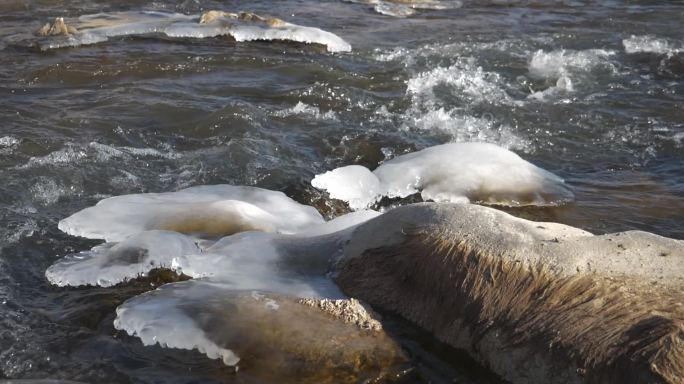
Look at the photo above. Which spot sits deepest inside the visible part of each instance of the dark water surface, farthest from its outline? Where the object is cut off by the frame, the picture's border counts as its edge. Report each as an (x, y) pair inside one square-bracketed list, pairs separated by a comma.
[(551, 80)]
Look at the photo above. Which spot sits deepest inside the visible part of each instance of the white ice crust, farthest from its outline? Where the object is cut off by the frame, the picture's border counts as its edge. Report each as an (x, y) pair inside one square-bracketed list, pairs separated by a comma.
[(456, 172), (102, 26), (294, 264), (112, 263), (158, 317), (216, 210), (246, 260)]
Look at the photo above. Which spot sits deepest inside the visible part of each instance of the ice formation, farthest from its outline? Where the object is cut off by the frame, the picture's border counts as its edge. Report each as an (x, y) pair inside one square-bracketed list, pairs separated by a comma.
[(112, 263), (289, 264), (205, 211), (404, 8), (280, 334), (243, 26), (256, 272), (457, 172)]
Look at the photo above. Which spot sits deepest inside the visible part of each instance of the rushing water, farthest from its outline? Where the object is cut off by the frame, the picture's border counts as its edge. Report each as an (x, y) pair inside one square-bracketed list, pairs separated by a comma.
[(591, 91)]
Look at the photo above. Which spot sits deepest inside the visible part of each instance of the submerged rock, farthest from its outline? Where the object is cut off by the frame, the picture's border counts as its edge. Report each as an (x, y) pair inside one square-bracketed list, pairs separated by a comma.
[(535, 302)]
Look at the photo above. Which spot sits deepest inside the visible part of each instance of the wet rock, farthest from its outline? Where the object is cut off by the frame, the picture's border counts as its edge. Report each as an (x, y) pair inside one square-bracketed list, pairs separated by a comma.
[(534, 302), (274, 337), (350, 311), (57, 28)]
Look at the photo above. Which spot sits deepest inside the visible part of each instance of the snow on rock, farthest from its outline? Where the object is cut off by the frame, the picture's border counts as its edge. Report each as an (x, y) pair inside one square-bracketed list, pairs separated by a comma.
[(212, 210), (456, 172)]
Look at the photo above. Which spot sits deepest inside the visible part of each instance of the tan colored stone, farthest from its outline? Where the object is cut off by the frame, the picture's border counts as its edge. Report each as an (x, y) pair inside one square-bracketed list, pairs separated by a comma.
[(534, 302)]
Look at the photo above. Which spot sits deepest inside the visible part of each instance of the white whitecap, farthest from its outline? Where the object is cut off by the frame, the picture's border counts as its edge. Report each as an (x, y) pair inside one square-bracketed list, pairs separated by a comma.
[(650, 44), (213, 211), (565, 69), (405, 8), (456, 172)]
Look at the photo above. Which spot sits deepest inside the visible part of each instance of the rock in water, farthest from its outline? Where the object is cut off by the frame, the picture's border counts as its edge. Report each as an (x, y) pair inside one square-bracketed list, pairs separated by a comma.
[(209, 210), (241, 26), (456, 172), (535, 302), (287, 340)]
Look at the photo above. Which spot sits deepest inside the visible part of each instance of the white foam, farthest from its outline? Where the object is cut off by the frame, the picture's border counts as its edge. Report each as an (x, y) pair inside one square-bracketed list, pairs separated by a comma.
[(8, 141), (100, 27), (457, 172), (650, 44), (565, 68), (465, 128), (407, 8), (216, 210), (112, 263), (307, 110), (73, 153), (467, 80)]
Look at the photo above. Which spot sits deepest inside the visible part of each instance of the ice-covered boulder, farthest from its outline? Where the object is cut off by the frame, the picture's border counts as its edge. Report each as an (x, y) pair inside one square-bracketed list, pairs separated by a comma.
[(205, 211), (456, 172), (293, 264), (289, 340), (241, 26)]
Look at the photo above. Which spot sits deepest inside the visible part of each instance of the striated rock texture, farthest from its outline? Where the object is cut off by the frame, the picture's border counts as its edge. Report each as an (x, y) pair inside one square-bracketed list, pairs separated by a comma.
[(535, 302)]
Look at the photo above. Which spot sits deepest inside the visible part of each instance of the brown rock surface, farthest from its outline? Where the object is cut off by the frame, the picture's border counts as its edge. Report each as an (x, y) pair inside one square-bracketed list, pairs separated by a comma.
[(535, 302)]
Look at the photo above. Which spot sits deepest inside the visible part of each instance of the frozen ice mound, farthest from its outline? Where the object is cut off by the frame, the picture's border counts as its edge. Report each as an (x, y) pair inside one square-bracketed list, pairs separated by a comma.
[(278, 333), (245, 299), (456, 172), (242, 26), (204, 211), (289, 264)]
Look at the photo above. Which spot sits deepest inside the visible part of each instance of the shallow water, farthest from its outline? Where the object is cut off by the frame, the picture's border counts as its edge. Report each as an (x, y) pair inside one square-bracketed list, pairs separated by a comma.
[(552, 81)]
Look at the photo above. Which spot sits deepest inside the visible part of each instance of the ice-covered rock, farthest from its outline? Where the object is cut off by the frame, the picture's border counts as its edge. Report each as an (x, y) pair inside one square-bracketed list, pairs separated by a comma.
[(289, 264), (112, 263), (285, 338), (456, 172), (213, 211), (241, 26)]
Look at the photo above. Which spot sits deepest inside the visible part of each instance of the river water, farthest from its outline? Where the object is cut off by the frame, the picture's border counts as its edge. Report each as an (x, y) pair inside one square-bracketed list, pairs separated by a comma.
[(592, 91)]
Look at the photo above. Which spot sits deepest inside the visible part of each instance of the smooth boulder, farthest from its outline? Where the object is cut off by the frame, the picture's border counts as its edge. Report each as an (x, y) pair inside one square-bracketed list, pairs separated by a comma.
[(535, 302)]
